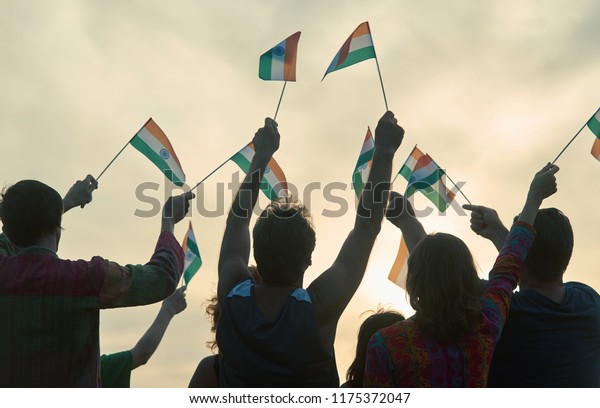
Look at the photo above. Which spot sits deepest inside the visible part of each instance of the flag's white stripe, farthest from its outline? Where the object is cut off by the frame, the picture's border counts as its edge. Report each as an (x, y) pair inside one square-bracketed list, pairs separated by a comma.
[(278, 63), (155, 145), (367, 145), (273, 181), (358, 43), (597, 115), (424, 172)]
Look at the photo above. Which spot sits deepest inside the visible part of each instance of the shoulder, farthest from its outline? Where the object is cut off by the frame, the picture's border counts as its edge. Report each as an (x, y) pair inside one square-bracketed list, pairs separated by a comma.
[(241, 289), (583, 291)]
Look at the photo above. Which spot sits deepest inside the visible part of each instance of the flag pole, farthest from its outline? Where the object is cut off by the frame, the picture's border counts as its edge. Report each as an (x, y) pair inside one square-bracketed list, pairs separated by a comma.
[(211, 173), (381, 81), (114, 158), (395, 177), (571, 141), (457, 187), (279, 103)]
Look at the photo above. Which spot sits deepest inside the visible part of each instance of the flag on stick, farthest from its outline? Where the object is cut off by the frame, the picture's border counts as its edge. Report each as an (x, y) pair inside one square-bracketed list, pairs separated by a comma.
[(427, 177), (594, 125), (358, 47), (279, 63), (273, 184), (193, 261), (400, 268), (152, 142), (409, 165), (363, 166)]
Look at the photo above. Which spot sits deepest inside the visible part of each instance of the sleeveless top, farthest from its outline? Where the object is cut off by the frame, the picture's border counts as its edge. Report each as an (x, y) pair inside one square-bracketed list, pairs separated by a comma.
[(283, 352)]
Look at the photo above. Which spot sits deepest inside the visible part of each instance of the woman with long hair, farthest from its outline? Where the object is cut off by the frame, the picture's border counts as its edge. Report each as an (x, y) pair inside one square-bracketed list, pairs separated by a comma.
[(451, 337)]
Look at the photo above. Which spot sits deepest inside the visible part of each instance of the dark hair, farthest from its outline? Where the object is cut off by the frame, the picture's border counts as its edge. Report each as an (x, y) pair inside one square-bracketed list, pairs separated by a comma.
[(372, 324), (30, 209), (284, 240), (553, 245), (443, 286)]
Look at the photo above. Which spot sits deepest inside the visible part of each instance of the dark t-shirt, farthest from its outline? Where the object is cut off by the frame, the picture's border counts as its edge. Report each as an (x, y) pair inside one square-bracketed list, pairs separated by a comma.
[(548, 344), (283, 352), (115, 369)]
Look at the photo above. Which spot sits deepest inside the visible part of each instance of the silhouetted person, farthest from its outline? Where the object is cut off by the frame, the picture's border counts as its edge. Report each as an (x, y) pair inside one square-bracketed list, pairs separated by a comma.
[(372, 324), (450, 339), (50, 313), (277, 334), (552, 336)]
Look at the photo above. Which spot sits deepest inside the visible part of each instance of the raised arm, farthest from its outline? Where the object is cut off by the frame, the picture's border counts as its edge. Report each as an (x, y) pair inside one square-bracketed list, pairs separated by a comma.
[(334, 288), (235, 249), (147, 345), (400, 213), (133, 285)]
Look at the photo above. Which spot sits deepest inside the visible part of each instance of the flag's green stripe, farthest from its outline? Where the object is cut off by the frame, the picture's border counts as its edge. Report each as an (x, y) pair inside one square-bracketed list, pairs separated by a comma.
[(405, 172), (191, 270), (241, 161), (357, 56), (192, 246), (264, 66), (357, 181), (156, 159), (365, 157), (431, 194), (594, 126)]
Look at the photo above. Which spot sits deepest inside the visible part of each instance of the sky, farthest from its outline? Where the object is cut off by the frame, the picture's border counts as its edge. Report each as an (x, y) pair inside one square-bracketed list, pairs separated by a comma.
[(491, 90)]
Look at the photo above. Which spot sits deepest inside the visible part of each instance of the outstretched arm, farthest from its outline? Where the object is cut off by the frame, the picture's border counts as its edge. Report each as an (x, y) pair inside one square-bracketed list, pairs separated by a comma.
[(235, 249), (400, 213), (486, 223), (147, 345), (334, 288)]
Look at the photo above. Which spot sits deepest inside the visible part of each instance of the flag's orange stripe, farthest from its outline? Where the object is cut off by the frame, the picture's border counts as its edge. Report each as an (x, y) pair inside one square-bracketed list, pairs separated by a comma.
[(361, 30), (157, 132), (291, 48), (399, 262), (596, 149), (278, 173)]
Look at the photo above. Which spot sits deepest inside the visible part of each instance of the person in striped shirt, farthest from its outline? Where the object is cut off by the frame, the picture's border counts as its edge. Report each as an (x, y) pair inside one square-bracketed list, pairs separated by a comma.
[(49, 307)]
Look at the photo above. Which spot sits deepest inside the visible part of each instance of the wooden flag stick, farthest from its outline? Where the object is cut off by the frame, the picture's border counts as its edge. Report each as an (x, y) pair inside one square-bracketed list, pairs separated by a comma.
[(457, 187), (111, 162), (280, 98), (211, 173), (381, 81), (571, 141)]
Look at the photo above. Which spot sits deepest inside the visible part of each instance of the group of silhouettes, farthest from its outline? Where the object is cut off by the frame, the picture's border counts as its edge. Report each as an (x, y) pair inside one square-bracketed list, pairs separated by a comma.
[(272, 332)]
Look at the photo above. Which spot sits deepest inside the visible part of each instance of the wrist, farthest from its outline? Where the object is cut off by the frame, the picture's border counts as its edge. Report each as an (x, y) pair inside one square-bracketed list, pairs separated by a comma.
[(167, 225), (533, 200)]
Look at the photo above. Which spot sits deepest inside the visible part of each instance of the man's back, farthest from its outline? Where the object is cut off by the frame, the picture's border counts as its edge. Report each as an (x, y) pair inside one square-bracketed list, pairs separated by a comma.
[(49, 310), (550, 344), (284, 351)]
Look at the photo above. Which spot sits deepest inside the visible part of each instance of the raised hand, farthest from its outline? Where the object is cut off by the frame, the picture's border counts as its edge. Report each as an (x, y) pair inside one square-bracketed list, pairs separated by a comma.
[(388, 134), (80, 193), (175, 210), (266, 139), (175, 303), (543, 184), (398, 209), (486, 223)]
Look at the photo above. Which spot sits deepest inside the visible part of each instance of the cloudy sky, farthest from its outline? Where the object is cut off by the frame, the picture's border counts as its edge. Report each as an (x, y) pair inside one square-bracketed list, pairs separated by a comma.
[(491, 90)]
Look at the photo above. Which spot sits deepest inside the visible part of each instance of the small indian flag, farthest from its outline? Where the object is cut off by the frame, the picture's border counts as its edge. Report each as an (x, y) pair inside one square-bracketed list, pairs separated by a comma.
[(273, 184), (400, 267), (279, 63), (410, 163), (154, 144), (358, 47), (427, 177), (594, 125), (192, 261), (363, 166)]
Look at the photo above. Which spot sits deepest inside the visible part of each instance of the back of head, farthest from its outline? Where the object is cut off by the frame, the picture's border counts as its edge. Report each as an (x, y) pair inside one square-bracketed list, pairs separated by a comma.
[(368, 328), (29, 210), (552, 248), (284, 240), (443, 286)]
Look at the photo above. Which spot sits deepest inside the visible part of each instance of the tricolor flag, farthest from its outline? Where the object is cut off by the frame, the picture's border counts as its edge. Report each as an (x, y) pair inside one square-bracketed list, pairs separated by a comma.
[(193, 261), (363, 166), (400, 267), (410, 163), (273, 184), (358, 47), (427, 177), (154, 144), (594, 125), (279, 63)]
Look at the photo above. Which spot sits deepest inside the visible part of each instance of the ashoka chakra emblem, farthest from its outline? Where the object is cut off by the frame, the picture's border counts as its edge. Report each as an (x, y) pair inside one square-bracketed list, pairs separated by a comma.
[(164, 154), (279, 50)]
